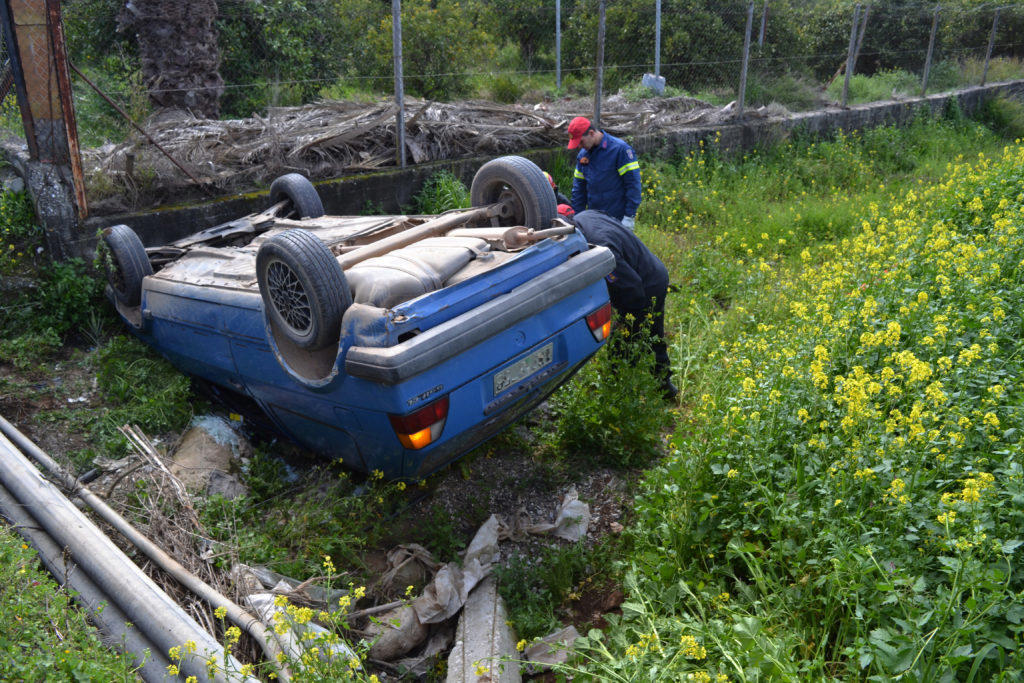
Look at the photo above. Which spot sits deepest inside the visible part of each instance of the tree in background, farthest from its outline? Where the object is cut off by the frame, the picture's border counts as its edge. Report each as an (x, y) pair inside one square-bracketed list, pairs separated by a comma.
[(441, 45), (178, 52)]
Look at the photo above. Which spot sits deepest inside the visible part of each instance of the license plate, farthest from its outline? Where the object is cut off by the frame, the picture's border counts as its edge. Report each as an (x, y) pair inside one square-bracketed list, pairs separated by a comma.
[(522, 369)]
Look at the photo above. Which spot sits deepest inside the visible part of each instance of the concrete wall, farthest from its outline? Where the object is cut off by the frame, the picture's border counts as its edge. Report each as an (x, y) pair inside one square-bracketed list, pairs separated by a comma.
[(388, 191)]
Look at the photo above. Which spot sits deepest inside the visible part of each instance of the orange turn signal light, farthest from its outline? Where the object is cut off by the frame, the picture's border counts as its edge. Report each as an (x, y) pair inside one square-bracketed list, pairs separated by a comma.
[(600, 322), (422, 427)]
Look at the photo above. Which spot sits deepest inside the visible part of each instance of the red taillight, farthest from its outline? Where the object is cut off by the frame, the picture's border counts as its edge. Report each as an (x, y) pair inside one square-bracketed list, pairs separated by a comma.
[(600, 322), (422, 427)]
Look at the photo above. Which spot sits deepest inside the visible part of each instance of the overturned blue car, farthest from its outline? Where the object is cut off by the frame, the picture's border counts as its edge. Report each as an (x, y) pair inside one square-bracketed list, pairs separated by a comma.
[(395, 343)]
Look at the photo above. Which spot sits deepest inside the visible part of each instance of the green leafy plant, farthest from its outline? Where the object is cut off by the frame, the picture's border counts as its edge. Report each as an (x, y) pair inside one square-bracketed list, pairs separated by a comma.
[(43, 635), (612, 410), (442, 192)]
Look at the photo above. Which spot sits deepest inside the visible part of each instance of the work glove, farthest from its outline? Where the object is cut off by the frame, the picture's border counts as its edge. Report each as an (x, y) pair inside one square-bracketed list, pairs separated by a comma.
[(629, 222)]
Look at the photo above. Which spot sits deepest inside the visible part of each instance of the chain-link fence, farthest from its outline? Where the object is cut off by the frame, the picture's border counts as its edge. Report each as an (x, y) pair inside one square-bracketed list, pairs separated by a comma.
[(246, 59)]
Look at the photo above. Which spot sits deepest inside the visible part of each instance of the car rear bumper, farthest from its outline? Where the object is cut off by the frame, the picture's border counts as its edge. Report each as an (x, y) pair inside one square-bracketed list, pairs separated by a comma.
[(393, 365)]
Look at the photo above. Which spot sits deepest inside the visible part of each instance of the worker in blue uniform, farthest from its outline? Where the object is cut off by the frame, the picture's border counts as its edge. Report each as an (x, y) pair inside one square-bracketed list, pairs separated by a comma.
[(607, 175), (637, 288)]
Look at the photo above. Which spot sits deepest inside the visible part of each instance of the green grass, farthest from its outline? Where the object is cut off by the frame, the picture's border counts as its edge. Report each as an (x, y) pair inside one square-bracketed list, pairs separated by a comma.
[(43, 636)]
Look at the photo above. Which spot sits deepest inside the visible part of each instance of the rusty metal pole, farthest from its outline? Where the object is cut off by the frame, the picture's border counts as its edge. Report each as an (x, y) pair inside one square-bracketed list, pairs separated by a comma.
[(396, 40), (60, 67), (742, 95), (850, 52), (991, 44), (599, 85), (931, 49)]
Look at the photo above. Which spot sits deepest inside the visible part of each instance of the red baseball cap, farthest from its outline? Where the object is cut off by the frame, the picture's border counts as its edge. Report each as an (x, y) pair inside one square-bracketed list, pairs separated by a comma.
[(565, 210), (577, 127)]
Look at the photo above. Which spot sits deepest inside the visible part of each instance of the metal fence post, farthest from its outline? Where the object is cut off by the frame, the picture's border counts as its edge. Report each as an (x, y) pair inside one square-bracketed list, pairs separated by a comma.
[(863, 29), (850, 54), (741, 97), (657, 38), (558, 44), (931, 48), (396, 44), (991, 43), (764, 24), (599, 86)]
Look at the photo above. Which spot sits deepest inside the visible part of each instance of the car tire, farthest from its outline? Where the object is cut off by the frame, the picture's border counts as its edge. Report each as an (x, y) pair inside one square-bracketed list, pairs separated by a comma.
[(521, 184), (304, 201), (304, 290), (128, 264)]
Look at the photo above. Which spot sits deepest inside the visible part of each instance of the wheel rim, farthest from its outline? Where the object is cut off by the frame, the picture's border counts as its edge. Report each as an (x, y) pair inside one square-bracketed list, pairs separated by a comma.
[(511, 204), (289, 297)]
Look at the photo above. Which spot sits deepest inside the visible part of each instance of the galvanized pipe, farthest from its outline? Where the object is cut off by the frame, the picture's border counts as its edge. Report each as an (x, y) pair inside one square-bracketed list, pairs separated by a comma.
[(103, 611), (742, 95), (147, 606), (86, 555), (849, 54)]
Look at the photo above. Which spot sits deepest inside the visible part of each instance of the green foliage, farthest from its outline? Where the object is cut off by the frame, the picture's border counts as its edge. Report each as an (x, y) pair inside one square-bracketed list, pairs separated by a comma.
[(289, 525), (1005, 116), (540, 588), (43, 636), (799, 529), (612, 410), (28, 350), (20, 234), (793, 91), (142, 389), (442, 191), (435, 64)]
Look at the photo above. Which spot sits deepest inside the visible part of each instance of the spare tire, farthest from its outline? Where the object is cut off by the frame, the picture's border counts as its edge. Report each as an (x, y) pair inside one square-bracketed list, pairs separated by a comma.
[(521, 186), (304, 290), (128, 264), (303, 199)]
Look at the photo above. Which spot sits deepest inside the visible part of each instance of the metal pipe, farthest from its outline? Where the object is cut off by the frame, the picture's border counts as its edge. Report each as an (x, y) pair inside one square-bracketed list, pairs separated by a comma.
[(103, 611), (396, 48), (147, 606), (931, 48), (236, 614), (764, 25), (860, 35), (432, 228), (657, 38), (991, 43), (558, 44), (742, 95), (59, 53), (849, 54)]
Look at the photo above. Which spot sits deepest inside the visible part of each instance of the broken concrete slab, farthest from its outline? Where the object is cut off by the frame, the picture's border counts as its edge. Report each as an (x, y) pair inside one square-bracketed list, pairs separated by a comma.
[(554, 648), (484, 649), (395, 633)]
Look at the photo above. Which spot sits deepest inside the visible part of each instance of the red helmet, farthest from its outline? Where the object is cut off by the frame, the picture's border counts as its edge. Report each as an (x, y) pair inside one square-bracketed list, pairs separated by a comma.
[(551, 181)]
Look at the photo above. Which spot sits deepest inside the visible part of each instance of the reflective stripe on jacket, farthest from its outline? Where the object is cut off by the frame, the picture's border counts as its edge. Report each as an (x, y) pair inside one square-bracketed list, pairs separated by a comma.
[(609, 179)]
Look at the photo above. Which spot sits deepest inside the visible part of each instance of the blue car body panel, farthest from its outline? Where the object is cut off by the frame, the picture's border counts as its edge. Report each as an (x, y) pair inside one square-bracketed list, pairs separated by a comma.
[(448, 342)]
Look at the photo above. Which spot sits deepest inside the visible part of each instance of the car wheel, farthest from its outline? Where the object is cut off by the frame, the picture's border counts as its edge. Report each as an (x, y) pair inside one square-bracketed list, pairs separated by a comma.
[(520, 186), (304, 290), (304, 202), (128, 264)]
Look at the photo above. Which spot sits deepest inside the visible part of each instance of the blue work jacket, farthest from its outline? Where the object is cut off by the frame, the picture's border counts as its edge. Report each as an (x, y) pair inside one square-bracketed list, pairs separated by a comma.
[(607, 178)]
